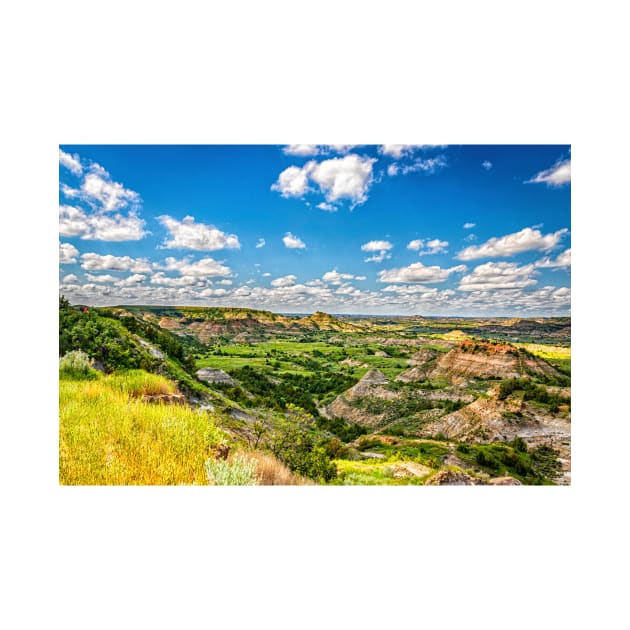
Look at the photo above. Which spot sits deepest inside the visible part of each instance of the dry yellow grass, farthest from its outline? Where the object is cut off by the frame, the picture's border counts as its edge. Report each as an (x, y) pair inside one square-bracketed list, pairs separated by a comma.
[(271, 472), (108, 436)]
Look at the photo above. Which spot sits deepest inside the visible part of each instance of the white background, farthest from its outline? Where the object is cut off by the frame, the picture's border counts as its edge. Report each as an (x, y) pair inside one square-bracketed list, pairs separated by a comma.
[(320, 72)]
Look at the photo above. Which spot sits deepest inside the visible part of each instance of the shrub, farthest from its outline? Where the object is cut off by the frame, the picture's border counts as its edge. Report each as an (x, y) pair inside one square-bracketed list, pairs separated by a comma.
[(76, 364), (240, 471)]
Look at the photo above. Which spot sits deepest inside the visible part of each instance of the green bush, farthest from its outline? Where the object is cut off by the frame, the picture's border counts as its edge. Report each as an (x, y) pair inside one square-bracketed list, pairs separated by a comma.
[(238, 472), (76, 364)]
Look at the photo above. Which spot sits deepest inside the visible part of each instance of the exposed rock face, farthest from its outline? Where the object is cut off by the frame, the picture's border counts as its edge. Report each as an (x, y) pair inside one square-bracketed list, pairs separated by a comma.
[(367, 384), (421, 357), (486, 360), (504, 481), (372, 386), (452, 478), (153, 351), (412, 375), (211, 375)]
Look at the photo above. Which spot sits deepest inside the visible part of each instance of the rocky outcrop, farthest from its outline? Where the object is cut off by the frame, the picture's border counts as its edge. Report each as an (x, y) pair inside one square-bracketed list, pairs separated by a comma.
[(422, 357), (488, 419), (504, 481), (487, 360), (370, 386), (452, 478), (412, 375), (211, 375)]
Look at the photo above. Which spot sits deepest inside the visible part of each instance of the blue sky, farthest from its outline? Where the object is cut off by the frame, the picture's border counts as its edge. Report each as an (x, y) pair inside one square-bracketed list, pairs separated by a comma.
[(390, 229)]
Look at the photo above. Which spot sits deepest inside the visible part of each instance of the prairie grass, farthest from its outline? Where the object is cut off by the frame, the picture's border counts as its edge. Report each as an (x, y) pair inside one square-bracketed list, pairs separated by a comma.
[(271, 472), (108, 436)]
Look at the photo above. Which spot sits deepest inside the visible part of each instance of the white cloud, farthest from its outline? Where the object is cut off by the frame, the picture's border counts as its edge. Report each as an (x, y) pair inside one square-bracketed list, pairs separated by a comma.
[(74, 221), (336, 278), (293, 242), (293, 181), (67, 253), (525, 240), (469, 226), (498, 275), (434, 246), (397, 150), (380, 257), (487, 164), (327, 207), (392, 170), (97, 262), (471, 238), (376, 246), (108, 194), (382, 247), (301, 149), (204, 268), (558, 175), (161, 279), (198, 236), (266, 275), (562, 260), (409, 289), (261, 243), (417, 272), (101, 278), (71, 162), (131, 281), (225, 282), (349, 177), (284, 281), (70, 279)]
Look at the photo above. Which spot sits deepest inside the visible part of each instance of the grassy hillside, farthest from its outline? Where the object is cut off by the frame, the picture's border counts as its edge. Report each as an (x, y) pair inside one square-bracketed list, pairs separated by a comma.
[(109, 435)]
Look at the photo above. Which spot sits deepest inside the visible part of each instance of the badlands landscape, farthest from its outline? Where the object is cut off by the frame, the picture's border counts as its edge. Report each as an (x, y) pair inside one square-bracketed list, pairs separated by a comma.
[(236, 395)]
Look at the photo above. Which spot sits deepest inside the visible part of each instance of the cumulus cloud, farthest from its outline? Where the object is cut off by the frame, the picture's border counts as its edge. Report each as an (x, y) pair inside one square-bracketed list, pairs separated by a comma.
[(131, 281), (67, 253), (106, 199), (563, 260), (101, 277), (97, 262), (433, 246), (526, 240), (382, 247), (348, 177), (498, 275), (187, 234), (204, 268), (293, 181), (261, 243), (336, 278), (293, 242), (74, 221), (301, 149), (487, 164), (71, 162), (70, 279), (558, 175), (160, 278), (284, 281), (397, 150), (99, 189), (417, 272), (469, 226)]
